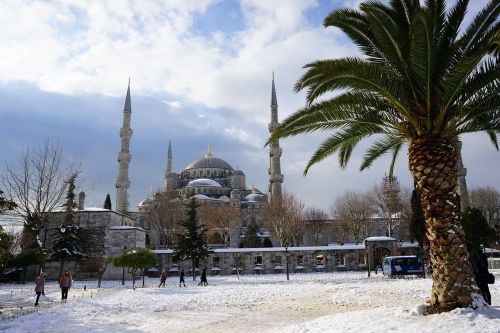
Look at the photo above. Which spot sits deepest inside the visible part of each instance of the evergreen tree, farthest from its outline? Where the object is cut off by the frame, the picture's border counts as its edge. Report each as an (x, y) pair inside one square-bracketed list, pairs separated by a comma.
[(5, 204), (28, 256), (5, 249), (107, 202), (70, 203), (5, 239), (252, 238), (417, 220), (191, 243), (476, 228), (67, 242)]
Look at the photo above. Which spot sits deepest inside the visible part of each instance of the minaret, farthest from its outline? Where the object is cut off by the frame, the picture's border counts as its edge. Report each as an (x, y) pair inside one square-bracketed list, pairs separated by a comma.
[(124, 157), (275, 176), (169, 156), (462, 184), (169, 176)]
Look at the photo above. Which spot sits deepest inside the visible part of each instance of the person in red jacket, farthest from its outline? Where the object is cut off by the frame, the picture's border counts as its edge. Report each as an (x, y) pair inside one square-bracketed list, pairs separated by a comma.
[(65, 283)]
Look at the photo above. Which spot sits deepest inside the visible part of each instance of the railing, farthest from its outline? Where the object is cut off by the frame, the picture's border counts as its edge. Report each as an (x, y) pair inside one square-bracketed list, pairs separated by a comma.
[(18, 300), (493, 263)]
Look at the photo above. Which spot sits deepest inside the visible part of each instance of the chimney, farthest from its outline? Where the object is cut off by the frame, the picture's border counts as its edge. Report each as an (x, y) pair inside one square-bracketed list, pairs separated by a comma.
[(81, 200)]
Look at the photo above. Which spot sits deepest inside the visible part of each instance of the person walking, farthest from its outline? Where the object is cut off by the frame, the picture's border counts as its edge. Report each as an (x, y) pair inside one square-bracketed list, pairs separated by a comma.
[(65, 283), (39, 286), (181, 278), (203, 278), (163, 278)]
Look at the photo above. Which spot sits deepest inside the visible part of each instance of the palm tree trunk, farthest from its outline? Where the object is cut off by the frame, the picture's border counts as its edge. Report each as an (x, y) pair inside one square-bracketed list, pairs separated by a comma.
[(433, 164)]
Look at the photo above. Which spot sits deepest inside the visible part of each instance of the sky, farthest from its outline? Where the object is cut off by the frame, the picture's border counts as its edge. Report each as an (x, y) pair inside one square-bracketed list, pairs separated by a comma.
[(200, 74)]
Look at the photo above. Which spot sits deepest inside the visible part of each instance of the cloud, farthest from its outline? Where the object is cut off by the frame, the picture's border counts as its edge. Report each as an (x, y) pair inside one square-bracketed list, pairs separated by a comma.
[(193, 84)]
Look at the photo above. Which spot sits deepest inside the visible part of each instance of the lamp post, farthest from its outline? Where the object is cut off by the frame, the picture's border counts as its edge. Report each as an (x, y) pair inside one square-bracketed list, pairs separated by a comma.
[(286, 254), (368, 256), (124, 249)]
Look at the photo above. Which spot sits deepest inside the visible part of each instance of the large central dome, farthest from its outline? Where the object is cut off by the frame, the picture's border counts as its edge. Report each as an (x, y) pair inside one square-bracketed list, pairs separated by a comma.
[(209, 162)]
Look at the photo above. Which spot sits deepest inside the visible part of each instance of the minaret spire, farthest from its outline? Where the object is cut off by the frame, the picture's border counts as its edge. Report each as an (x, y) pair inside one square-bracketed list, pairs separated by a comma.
[(170, 178), (124, 157), (169, 156), (209, 152), (275, 176)]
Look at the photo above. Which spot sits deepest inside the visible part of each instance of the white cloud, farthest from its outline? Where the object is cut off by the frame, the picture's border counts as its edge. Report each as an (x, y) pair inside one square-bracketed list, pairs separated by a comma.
[(75, 47)]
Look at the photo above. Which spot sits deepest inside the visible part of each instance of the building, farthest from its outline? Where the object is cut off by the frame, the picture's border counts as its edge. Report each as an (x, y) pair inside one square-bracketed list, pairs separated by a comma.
[(228, 206)]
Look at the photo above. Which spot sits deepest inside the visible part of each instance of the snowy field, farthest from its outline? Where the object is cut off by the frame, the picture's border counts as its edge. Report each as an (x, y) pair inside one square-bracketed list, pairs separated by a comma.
[(322, 302)]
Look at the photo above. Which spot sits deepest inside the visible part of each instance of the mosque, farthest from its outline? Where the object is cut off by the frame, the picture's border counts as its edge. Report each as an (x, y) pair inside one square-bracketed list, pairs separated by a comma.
[(217, 187)]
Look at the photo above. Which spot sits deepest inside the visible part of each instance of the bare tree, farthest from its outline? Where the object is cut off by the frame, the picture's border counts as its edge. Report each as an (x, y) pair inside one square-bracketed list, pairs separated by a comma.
[(164, 215), (218, 220), (315, 220), (36, 181), (487, 200), (285, 218), (387, 203), (353, 210)]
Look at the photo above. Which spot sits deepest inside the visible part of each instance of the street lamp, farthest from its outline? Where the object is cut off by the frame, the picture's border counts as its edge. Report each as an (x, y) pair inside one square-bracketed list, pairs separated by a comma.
[(367, 245), (286, 253), (124, 249)]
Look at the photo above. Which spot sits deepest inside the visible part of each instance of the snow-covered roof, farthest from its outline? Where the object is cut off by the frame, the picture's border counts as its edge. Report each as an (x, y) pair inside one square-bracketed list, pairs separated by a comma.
[(201, 197), (11, 219), (96, 209), (488, 250), (203, 182), (380, 239), (408, 244), (126, 227)]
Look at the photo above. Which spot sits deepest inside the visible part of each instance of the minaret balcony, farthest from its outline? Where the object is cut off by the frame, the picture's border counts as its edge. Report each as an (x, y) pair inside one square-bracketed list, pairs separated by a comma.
[(276, 179), (124, 156), (126, 132), (272, 126), (123, 183)]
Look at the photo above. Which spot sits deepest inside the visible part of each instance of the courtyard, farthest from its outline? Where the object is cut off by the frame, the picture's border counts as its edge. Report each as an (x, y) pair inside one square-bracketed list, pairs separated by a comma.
[(319, 302)]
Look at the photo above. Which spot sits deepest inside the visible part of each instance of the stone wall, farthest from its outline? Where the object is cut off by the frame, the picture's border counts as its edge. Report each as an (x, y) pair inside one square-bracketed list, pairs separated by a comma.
[(273, 260)]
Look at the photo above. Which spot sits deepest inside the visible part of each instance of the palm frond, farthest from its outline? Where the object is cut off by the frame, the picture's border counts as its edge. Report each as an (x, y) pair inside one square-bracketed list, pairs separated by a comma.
[(481, 23), (343, 142), (380, 148)]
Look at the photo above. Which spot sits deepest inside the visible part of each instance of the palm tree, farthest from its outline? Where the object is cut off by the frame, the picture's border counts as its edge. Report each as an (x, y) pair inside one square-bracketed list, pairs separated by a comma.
[(420, 83)]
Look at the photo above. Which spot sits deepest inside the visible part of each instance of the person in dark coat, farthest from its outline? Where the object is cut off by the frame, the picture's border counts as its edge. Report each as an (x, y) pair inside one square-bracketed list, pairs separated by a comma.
[(181, 278), (39, 286), (65, 283), (203, 279), (479, 264), (163, 278)]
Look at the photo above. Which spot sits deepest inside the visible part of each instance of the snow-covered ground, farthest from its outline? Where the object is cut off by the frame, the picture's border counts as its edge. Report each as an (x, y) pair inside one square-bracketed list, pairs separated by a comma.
[(323, 302)]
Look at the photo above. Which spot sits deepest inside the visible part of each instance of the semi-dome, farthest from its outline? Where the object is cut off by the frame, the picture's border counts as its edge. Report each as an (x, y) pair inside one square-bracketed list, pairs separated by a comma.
[(200, 197), (238, 173), (255, 197), (203, 182)]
